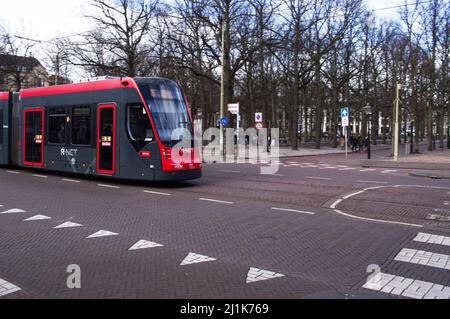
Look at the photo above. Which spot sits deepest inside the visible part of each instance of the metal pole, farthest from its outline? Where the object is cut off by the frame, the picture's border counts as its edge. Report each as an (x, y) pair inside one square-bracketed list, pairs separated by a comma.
[(412, 138), (346, 142), (369, 155), (396, 132), (222, 89)]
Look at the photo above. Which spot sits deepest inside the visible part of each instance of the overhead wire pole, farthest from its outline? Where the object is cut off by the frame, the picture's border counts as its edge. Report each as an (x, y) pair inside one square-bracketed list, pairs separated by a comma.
[(396, 125), (222, 90)]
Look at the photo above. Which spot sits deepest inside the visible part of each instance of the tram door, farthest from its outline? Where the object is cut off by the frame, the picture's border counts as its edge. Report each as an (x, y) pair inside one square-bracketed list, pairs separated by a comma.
[(33, 137), (106, 138)]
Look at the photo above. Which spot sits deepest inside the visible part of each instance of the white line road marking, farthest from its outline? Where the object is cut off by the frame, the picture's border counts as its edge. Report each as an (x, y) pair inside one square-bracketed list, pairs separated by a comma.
[(407, 287), (102, 233), (193, 258), (348, 169), (310, 166), (231, 172), (256, 274), (68, 225), (157, 193), (372, 182), (353, 194), (145, 244), (108, 186), (432, 239), (13, 172), (70, 180), (7, 288), (13, 211), (215, 201), (425, 258), (40, 176), (37, 217), (371, 219), (389, 171), (292, 210), (368, 170), (336, 203), (319, 178)]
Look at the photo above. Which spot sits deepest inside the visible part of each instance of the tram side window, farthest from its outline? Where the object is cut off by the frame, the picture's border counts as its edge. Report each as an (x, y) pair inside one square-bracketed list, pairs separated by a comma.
[(139, 127), (81, 125), (1, 127), (57, 126)]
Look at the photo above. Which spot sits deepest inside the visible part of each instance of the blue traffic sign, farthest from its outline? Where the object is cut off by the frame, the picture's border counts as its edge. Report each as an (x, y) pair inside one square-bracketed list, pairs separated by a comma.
[(344, 112), (224, 121)]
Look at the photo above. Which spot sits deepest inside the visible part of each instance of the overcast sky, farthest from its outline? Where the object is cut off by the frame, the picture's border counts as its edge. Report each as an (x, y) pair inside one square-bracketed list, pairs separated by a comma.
[(47, 19)]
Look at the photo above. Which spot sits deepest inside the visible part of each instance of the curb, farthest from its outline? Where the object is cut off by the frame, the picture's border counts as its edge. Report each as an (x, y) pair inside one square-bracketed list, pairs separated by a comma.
[(429, 176)]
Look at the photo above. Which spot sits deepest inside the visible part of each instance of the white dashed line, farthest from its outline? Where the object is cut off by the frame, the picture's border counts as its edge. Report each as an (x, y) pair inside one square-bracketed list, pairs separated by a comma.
[(157, 193), (368, 170), (215, 201), (108, 186), (372, 182), (40, 176), (319, 178), (371, 219), (389, 171), (407, 287), (293, 211), (13, 172), (231, 172), (70, 180), (347, 169)]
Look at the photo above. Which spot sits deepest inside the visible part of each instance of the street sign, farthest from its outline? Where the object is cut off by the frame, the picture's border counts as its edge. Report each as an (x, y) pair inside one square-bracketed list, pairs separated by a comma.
[(233, 108), (224, 121), (258, 117), (259, 126), (345, 113)]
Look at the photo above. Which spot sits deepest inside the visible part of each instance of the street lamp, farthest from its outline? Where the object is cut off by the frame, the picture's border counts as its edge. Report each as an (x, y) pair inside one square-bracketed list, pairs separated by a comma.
[(368, 111)]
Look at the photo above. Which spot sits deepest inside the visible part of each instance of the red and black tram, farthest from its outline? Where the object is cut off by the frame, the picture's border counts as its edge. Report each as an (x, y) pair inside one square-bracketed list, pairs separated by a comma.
[(116, 127)]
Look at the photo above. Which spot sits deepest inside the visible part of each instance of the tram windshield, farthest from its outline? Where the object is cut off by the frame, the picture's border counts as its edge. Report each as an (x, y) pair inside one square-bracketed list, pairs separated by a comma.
[(168, 108)]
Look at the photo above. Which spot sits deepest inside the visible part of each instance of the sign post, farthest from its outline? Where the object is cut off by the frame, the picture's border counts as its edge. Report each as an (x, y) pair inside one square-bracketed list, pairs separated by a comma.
[(345, 112)]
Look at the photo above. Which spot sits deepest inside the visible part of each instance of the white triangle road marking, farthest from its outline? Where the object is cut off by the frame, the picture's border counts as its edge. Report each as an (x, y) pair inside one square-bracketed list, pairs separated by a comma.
[(256, 274), (144, 244), (68, 225), (102, 233), (37, 217), (13, 211), (193, 258)]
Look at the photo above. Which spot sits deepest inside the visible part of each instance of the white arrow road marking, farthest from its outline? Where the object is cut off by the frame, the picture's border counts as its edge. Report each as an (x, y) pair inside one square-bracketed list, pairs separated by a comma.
[(144, 244), (7, 288), (193, 258), (68, 225), (256, 274), (37, 217), (13, 211), (102, 233)]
